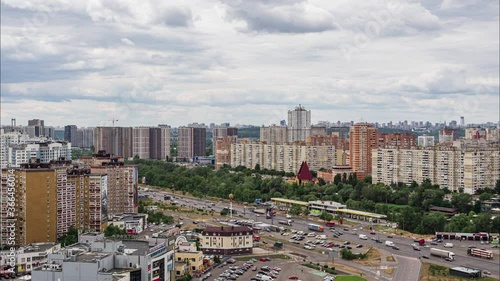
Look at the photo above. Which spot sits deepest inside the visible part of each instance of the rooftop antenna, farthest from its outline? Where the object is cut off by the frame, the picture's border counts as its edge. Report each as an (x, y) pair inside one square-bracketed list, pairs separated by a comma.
[(113, 121)]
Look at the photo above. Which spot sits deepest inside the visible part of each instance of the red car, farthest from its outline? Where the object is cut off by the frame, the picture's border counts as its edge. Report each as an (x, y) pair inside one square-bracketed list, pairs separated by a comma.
[(372, 233), (293, 277), (263, 259)]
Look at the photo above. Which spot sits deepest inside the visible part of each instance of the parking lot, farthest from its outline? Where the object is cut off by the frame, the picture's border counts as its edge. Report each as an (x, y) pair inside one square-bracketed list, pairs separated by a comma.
[(288, 268)]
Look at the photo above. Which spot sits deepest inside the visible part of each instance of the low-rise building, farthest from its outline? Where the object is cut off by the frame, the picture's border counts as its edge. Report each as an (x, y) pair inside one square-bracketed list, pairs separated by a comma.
[(326, 206), (133, 223), (188, 255), (227, 240), (103, 259), (29, 257)]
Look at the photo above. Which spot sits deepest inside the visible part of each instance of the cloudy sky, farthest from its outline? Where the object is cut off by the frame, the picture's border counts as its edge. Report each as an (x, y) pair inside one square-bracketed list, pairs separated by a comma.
[(146, 62)]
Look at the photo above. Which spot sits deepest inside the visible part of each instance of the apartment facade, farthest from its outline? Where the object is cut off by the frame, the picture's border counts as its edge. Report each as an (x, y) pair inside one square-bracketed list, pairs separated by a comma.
[(44, 151), (362, 139), (274, 134), (299, 124), (282, 157), (191, 142), (223, 151), (114, 140), (404, 140), (227, 240), (449, 167), (425, 141)]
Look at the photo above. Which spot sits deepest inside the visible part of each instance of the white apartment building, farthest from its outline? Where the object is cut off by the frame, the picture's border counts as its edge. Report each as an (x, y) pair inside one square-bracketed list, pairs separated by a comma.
[(227, 240), (425, 141), (299, 124), (45, 151), (467, 168)]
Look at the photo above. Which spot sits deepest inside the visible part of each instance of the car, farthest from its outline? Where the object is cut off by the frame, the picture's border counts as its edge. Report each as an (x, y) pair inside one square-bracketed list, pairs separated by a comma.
[(346, 229), (372, 232), (395, 247), (231, 261), (434, 243), (378, 241), (278, 269), (390, 236), (293, 277), (359, 246), (448, 259), (255, 279), (347, 243), (486, 272), (471, 246), (349, 247), (254, 268), (263, 259), (425, 257)]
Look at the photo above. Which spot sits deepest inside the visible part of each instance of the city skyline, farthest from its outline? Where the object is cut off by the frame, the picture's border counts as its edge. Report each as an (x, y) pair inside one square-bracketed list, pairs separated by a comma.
[(248, 61)]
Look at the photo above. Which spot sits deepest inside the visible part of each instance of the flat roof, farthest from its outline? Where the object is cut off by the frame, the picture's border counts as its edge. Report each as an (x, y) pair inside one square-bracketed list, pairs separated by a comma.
[(466, 269), (289, 201), (362, 213)]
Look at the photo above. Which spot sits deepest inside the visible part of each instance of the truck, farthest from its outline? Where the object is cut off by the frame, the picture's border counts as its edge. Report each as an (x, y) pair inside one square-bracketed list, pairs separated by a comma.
[(276, 228), (330, 223), (480, 253), (442, 253), (315, 227), (389, 243), (363, 237), (287, 222)]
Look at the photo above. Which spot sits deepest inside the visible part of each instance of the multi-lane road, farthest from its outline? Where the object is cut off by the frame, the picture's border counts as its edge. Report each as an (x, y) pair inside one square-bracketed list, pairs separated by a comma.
[(409, 258)]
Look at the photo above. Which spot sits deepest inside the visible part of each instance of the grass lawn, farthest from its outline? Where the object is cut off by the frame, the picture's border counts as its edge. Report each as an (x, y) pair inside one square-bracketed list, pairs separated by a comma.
[(349, 278)]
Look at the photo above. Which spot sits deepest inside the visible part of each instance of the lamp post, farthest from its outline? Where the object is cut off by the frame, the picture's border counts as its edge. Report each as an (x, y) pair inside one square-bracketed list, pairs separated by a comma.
[(231, 196)]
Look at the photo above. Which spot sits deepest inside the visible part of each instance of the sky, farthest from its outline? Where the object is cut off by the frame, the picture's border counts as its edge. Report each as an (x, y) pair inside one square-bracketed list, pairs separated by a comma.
[(149, 62)]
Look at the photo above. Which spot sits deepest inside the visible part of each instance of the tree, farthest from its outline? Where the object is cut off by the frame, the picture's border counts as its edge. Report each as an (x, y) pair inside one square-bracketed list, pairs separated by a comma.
[(306, 212), (337, 179), (326, 216), (295, 210), (495, 225), (432, 223), (460, 223), (461, 201), (113, 230), (483, 222), (70, 237)]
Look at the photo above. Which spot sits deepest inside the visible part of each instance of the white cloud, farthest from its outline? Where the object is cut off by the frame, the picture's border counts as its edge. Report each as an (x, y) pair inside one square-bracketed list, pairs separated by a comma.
[(175, 62)]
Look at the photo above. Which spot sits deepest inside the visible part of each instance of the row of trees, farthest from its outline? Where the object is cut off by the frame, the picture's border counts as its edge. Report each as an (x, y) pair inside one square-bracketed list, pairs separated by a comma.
[(406, 204)]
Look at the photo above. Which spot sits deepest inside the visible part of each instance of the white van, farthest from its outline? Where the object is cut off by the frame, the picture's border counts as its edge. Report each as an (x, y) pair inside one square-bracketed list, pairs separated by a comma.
[(363, 237), (448, 245), (389, 243)]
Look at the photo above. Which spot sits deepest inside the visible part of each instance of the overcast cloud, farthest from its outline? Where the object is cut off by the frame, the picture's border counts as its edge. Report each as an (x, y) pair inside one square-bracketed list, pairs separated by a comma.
[(175, 62)]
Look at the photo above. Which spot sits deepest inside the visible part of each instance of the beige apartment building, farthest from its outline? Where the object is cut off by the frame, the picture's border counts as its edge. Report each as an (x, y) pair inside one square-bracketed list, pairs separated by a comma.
[(467, 168), (282, 157), (274, 134), (362, 139)]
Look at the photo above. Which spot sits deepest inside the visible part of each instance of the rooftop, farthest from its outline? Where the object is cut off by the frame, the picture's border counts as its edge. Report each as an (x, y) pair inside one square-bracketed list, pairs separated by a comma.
[(227, 229), (38, 247), (466, 269)]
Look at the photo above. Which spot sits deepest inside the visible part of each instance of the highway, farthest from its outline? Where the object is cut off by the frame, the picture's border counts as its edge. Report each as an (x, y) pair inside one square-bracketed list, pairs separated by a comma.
[(409, 261)]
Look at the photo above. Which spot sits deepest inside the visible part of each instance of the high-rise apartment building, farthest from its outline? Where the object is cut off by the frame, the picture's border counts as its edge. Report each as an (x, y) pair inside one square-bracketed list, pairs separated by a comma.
[(122, 181), (299, 124), (448, 135), (36, 128), (191, 142), (425, 141), (274, 134), (468, 168), (404, 140), (50, 198), (84, 138), (70, 134), (223, 151), (43, 151), (282, 157), (219, 132), (114, 140), (362, 139)]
